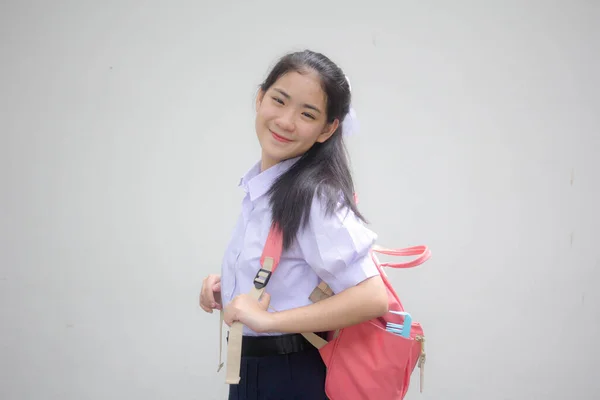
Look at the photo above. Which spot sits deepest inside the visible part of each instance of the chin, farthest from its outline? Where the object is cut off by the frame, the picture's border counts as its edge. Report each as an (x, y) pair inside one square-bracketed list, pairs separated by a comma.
[(273, 151)]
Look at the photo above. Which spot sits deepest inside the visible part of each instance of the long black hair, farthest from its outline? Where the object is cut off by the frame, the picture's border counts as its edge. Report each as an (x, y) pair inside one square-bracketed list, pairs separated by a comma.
[(323, 170)]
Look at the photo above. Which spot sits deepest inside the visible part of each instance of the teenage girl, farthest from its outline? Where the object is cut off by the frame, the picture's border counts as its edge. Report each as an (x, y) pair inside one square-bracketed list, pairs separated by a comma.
[(303, 185)]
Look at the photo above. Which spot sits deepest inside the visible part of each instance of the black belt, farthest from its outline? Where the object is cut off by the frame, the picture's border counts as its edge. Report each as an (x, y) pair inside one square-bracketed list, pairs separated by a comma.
[(262, 346)]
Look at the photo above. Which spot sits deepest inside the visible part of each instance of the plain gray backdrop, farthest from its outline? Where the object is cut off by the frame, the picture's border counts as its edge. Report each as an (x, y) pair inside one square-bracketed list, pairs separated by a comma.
[(125, 127)]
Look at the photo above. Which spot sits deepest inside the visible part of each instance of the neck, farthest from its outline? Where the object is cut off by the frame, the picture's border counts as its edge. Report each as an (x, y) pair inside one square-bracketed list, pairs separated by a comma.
[(266, 162)]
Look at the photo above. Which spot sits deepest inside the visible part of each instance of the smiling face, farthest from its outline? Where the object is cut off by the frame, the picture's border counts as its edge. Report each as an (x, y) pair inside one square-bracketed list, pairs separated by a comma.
[(291, 116)]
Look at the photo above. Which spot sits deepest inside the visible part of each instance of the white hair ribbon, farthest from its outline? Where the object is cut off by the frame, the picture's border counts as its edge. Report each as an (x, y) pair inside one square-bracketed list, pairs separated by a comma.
[(350, 122)]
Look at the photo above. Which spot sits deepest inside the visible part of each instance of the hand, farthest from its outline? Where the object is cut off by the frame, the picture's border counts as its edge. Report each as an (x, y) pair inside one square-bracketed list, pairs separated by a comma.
[(210, 295), (250, 312)]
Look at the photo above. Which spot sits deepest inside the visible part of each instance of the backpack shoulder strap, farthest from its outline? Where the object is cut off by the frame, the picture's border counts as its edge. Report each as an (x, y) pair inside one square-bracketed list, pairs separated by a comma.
[(269, 262)]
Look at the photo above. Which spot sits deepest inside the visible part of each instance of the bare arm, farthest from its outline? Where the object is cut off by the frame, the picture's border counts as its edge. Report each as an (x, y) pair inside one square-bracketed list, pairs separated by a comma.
[(359, 303)]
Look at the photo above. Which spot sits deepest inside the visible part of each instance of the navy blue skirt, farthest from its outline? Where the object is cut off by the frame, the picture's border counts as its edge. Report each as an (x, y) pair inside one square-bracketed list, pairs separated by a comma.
[(295, 376)]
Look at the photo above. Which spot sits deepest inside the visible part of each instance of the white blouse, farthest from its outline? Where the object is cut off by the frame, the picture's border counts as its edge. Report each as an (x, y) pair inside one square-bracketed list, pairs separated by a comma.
[(334, 249)]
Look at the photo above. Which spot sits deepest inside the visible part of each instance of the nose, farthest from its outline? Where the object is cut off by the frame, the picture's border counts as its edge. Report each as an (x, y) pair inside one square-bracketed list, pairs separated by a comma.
[(286, 121)]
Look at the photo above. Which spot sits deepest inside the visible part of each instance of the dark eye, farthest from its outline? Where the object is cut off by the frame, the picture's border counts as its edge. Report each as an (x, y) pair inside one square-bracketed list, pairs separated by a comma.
[(309, 115), (278, 100)]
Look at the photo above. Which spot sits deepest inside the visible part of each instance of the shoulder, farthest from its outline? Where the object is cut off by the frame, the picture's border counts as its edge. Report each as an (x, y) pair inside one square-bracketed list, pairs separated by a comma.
[(332, 222), (330, 206), (336, 243)]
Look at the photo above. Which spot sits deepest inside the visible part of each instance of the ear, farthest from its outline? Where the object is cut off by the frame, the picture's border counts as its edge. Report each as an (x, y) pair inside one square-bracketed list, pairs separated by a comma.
[(259, 98), (328, 131)]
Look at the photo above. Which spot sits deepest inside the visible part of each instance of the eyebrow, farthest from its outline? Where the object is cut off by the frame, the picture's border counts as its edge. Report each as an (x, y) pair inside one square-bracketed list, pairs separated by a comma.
[(287, 96)]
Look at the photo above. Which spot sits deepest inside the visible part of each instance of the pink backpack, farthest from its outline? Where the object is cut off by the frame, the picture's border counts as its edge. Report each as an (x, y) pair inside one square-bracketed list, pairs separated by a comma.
[(364, 361)]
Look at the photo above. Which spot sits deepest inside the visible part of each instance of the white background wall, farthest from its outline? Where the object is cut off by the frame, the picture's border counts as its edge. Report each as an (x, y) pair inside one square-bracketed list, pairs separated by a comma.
[(125, 127)]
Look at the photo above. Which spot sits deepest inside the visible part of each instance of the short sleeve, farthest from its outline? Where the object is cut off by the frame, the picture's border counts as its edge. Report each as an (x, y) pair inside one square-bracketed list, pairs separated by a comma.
[(337, 246)]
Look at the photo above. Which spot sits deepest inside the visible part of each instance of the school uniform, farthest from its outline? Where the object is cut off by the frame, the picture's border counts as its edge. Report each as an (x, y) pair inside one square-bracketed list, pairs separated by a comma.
[(333, 248)]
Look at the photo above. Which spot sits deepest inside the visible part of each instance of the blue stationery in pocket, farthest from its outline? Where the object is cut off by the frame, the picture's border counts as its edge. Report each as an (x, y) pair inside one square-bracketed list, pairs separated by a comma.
[(400, 329)]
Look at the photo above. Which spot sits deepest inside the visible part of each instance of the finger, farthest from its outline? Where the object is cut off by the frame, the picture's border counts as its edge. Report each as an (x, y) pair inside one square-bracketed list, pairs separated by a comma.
[(205, 308), (204, 304), (208, 297), (200, 301), (265, 300), (228, 316), (218, 298), (207, 293), (217, 287)]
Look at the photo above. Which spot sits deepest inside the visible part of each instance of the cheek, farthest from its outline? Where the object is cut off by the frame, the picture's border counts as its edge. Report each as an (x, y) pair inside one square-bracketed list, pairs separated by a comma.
[(262, 117), (308, 132), (267, 109)]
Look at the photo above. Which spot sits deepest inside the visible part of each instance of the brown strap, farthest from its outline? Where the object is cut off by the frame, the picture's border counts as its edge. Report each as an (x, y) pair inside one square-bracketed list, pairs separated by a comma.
[(220, 341), (315, 339), (234, 345), (312, 338), (236, 331), (321, 292)]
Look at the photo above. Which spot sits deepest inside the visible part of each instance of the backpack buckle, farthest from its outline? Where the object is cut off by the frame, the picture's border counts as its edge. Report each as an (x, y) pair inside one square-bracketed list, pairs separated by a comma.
[(262, 278)]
